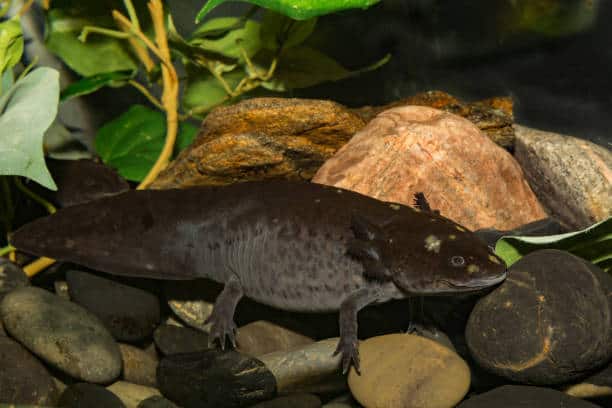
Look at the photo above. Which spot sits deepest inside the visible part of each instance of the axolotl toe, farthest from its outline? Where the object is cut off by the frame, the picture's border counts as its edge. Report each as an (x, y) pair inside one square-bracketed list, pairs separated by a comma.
[(291, 245)]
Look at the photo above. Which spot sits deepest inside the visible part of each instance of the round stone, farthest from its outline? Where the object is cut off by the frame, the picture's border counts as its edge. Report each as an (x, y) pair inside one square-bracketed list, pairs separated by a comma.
[(402, 370), (172, 339), (186, 299), (11, 277), (157, 401), (214, 378), (139, 367), (131, 314), (132, 394), (262, 337), (293, 400), (89, 395), (513, 396), (23, 379), (548, 323), (61, 333)]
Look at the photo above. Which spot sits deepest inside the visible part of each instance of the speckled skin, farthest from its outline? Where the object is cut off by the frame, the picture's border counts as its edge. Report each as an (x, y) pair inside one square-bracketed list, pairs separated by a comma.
[(294, 246)]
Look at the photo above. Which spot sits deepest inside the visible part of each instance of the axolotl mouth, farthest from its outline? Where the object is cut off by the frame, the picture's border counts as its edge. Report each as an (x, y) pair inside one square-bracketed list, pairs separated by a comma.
[(474, 285)]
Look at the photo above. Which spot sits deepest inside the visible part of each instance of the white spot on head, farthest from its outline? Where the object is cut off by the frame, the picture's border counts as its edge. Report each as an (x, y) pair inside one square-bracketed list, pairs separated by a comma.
[(433, 243), (317, 200), (459, 228), (149, 266), (472, 268), (452, 237), (339, 191), (395, 206)]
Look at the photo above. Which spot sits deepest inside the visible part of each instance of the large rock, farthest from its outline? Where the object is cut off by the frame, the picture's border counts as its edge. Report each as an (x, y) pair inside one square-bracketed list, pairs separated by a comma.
[(572, 177), (413, 149), (262, 337), (23, 379), (130, 314), (62, 333), (548, 323), (262, 138), (401, 370), (89, 395), (214, 378), (493, 116), (515, 396), (11, 277)]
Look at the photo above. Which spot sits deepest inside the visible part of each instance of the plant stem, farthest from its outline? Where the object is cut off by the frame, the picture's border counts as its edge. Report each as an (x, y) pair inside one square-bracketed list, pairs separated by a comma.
[(24, 9), (170, 92), (47, 205), (102, 31), (38, 265), (140, 51), (146, 94), (6, 250)]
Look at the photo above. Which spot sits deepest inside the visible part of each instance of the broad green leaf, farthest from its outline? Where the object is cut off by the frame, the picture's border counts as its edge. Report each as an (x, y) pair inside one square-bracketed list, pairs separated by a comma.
[(301, 67), (8, 79), (296, 9), (132, 142), (11, 43), (28, 109), (280, 31), (204, 92), (100, 54), (593, 244), (91, 84), (231, 44)]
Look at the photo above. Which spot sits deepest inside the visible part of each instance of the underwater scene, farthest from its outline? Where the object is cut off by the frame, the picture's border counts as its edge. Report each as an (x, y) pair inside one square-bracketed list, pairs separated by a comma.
[(305, 203)]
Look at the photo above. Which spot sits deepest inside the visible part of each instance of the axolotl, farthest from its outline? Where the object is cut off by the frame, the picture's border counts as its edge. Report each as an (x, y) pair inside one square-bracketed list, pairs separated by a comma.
[(291, 245)]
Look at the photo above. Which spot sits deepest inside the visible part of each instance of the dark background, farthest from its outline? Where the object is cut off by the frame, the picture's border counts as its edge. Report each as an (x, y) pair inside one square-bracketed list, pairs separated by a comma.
[(469, 49)]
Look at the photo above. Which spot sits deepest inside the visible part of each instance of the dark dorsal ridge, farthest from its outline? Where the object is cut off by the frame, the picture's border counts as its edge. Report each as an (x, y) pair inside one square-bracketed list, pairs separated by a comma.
[(421, 203)]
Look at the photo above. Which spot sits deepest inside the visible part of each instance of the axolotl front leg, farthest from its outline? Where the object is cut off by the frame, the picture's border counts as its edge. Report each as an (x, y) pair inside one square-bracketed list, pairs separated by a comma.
[(223, 326)]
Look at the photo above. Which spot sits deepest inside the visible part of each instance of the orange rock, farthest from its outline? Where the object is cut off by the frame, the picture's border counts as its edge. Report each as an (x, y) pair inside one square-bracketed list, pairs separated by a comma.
[(462, 172)]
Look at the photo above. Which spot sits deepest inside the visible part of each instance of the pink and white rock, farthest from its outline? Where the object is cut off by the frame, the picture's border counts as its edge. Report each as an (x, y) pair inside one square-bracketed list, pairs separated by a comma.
[(462, 173)]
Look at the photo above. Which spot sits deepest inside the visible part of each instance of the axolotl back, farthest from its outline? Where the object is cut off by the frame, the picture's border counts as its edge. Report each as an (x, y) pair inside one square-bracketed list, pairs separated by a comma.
[(292, 245)]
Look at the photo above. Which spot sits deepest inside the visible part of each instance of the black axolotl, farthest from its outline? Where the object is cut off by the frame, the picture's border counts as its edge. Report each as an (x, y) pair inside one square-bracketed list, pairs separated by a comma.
[(291, 245)]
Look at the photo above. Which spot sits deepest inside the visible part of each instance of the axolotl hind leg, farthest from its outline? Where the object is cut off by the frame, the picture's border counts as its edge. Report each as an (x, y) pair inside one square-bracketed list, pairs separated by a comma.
[(348, 344), (222, 316)]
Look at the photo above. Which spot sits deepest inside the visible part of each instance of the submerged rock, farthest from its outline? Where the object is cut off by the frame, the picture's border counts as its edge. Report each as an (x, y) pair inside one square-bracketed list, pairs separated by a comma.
[(132, 394), (402, 370), (548, 323), (62, 333), (262, 337), (262, 138), (89, 395), (462, 173), (572, 177), (139, 367), (214, 378), (11, 277), (513, 396), (23, 379), (596, 387), (171, 339), (131, 314), (293, 401)]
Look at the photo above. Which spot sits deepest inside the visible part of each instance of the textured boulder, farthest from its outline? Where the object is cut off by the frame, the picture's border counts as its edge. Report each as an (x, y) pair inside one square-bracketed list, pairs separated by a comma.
[(262, 138), (571, 177), (463, 174), (548, 323)]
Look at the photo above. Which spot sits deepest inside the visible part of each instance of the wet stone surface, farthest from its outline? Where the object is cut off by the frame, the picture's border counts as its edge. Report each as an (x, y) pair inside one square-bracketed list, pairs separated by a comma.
[(11, 277), (89, 395), (548, 323), (131, 314), (139, 367), (171, 339), (512, 396), (61, 333), (214, 378), (23, 379)]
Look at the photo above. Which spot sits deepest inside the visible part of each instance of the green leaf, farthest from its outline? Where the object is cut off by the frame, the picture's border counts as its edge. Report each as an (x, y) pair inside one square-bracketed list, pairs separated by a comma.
[(279, 31), (204, 91), (593, 244), (11, 43), (132, 142), (100, 54), (296, 9), (301, 67), (91, 84), (28, 109), (230, 45)]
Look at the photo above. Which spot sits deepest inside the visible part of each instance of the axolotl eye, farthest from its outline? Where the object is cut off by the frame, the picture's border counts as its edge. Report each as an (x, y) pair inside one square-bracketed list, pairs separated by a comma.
[(457, 261)]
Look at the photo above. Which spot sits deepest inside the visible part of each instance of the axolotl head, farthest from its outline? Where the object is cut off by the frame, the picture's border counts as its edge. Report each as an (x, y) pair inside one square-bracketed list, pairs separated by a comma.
[(426, 255)]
